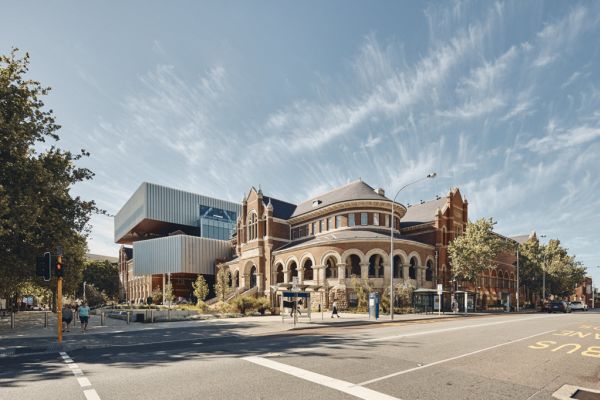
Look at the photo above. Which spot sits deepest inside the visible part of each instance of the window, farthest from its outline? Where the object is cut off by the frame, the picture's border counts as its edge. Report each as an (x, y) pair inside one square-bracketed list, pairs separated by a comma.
[(376, 219), (387, 220), (330, 224), (322, 223), (338, 221), (351, 221), (314, 228), (364, 219)]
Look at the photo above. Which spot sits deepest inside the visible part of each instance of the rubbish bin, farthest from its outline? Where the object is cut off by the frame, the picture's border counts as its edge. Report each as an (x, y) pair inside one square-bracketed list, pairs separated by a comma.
[(139, 317)]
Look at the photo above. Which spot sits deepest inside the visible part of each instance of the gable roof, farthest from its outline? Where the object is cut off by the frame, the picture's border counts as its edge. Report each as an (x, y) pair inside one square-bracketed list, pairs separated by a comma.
[(281, 209), (422, 213), (357, 190)]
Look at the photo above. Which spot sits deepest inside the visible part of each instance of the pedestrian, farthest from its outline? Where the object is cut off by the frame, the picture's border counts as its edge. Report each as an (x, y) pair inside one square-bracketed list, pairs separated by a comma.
[(454, 306), (67, 317), (334, 310), (84, 316)]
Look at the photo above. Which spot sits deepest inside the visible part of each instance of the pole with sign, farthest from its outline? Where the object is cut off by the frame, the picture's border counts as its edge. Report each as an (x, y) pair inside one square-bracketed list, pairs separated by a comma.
[(439, 292)]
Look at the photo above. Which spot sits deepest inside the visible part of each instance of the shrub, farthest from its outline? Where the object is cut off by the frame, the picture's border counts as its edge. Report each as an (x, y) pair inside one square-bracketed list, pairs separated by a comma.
[(244, 304), (262, 304)]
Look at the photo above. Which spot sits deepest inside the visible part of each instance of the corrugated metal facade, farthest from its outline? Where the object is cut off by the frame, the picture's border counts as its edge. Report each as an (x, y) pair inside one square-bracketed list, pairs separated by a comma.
[(161, 203), (180, 253)]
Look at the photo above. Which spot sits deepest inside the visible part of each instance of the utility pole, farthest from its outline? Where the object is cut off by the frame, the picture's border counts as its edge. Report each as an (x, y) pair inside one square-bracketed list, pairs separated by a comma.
[(59, 279), (517, 295)]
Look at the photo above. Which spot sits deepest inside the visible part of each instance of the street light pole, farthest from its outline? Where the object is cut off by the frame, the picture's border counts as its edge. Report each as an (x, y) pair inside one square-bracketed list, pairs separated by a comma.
[(517, 295), (544, 275), (429, 176)]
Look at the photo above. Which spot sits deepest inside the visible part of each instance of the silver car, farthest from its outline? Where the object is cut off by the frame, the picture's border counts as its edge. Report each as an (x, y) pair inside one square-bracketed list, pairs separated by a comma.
[(578, 306)]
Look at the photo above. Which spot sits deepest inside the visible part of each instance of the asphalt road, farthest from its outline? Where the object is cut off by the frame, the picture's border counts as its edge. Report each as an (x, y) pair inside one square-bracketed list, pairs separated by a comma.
[(495, 357)]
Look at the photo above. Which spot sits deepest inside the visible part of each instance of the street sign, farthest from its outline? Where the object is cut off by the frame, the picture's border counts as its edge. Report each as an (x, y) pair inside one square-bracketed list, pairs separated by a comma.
[(295, 287), (440, 289)]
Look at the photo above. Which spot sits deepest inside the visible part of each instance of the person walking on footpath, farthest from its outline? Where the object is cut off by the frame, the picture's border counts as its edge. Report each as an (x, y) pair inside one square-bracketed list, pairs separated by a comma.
[(84, 316), (334, 310), (67, 317)]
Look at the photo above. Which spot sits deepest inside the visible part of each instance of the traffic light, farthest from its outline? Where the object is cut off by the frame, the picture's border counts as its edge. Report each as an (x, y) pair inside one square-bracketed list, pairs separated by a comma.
[(58, 267), (43, 266)]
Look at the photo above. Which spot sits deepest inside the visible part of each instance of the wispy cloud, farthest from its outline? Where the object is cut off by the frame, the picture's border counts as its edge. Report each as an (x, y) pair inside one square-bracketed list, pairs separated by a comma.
[(573, 137), (372, 141)]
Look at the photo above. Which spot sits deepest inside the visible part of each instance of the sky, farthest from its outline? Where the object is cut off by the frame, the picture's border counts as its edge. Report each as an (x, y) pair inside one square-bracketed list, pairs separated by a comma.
[(501, 99)]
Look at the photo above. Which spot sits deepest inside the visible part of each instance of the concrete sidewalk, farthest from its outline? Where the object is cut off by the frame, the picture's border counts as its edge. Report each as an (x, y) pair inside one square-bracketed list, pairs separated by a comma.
[(30, 335)]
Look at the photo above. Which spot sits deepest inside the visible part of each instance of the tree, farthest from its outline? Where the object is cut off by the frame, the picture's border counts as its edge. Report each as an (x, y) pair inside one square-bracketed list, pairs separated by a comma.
[(530, 266), (37, 211), (104, 275), (476, 250), (169, 296), (222, 282), (200, 289), (563, 272), (156, 295)]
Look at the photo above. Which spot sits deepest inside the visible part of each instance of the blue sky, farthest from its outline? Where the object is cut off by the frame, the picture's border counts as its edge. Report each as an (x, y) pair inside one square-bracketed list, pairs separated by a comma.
[(500, 99)]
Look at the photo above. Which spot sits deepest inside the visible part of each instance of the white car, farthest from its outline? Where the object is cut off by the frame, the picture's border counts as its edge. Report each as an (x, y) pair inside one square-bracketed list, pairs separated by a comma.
[(578, 306)]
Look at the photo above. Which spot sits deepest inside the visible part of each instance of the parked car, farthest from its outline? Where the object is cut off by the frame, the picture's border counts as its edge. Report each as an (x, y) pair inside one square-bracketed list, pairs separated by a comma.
[(559, 306), (578, 306)]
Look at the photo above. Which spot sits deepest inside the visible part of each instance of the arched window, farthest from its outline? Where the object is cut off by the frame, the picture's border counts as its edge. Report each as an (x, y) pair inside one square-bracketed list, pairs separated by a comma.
[(293, 270), (376, 266), (308, 270), (252, 227), (429, 271), (279, 274), (236, 279), (353, 266), (412, 269), (253, 276), (398, 269), (331, 268)]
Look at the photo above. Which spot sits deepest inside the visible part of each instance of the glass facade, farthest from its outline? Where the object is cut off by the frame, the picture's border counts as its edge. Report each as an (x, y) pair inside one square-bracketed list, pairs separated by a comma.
[(216, 223)]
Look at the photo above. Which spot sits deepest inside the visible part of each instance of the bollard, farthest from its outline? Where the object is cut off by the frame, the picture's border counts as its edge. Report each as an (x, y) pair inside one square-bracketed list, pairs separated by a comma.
[(12, 320), (102, 318), (152, 316), (127, 317), (45, 319)]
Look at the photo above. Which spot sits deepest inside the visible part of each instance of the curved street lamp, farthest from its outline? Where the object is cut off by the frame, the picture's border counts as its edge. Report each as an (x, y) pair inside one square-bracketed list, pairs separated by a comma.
[(429, 176)]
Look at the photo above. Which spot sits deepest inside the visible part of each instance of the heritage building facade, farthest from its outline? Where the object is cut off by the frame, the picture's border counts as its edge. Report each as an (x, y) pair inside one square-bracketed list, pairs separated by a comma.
[(345, 233)]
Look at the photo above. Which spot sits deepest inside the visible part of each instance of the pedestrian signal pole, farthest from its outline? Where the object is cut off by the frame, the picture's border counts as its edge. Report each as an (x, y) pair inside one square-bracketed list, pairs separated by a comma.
[(59, 277)]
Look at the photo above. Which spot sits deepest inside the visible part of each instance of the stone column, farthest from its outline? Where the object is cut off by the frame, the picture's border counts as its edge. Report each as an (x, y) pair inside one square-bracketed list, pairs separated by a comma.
[(259, 281), (341, 272), (301, 275), (386, 273), (245, 281), (420, 276), (319, 273), (286, 276), (364, 270), (405, 272)]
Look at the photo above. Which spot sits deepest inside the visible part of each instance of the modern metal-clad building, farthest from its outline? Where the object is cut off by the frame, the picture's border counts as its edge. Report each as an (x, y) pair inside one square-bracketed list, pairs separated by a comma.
[(175, 235)]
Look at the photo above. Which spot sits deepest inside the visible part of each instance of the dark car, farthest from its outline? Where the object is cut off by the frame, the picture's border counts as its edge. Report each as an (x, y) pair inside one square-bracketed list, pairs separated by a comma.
[(559, 306)]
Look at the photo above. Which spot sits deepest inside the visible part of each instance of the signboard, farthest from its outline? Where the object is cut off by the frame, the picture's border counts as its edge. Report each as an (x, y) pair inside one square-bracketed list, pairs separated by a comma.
[(295, 287), (436, 302), (439, 289), (296, 294)]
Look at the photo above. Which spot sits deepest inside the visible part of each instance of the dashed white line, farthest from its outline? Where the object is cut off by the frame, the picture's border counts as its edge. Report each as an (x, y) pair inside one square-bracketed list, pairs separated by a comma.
[(91, 394), (83, 381), (337, 384)]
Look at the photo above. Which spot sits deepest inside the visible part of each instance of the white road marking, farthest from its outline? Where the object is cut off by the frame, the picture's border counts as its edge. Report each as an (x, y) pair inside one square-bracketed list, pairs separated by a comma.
[(62, 353), (77, 371), (91, 394), (83, 382), (73, 366), (68, 360), (456, 328), (406, 371), (337, 384)]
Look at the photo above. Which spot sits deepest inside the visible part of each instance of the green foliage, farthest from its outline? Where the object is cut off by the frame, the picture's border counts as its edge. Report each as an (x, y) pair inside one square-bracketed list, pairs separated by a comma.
[(37, 211), (222, 287), (94, 297), (200, 289), (262, 304), (362, 288), (243, 304), (104, 276), (157, 295), (476, 250), (169, 296)]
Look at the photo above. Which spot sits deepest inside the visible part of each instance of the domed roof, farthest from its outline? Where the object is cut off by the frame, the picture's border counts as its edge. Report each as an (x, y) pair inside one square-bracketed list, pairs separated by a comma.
[(357, 190)]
